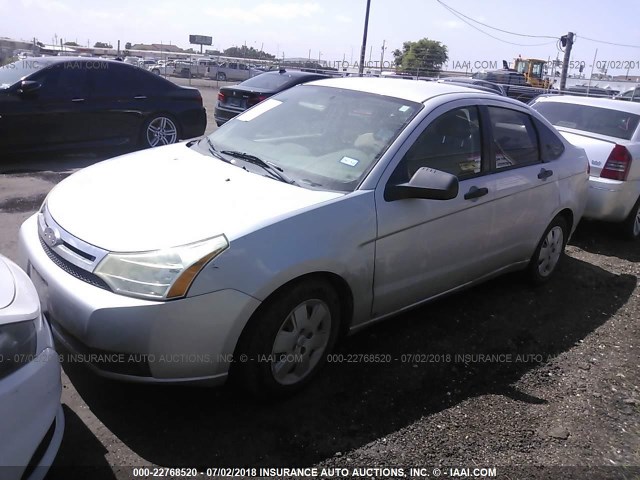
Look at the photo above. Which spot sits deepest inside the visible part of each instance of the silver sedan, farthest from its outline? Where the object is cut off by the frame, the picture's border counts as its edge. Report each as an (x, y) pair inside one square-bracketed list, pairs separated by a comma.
[(321, 210)]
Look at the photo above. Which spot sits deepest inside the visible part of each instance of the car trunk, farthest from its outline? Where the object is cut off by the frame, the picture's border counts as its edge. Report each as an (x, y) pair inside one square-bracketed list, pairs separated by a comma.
[(598, 149), (240, 99)]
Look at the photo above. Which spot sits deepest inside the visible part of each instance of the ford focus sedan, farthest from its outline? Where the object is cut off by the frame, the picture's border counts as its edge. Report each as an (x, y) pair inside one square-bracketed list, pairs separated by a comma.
[(327, 207), (31, 417)]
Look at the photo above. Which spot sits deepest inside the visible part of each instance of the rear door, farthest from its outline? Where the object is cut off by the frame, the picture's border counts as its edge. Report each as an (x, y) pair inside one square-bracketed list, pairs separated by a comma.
[(526, 188)]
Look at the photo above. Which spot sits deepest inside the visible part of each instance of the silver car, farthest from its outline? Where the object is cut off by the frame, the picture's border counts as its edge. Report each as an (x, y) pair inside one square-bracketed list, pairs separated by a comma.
[(317, 212), (609, 131)]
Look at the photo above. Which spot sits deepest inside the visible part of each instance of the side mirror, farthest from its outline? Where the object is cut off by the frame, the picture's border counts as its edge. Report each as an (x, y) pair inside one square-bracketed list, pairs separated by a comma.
[(28, 87), (426, 183)]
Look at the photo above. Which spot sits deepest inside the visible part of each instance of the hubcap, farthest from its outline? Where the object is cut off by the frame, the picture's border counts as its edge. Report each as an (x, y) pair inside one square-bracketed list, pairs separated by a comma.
[(161, 131), (301, 341), (636, 224), (550, 251)]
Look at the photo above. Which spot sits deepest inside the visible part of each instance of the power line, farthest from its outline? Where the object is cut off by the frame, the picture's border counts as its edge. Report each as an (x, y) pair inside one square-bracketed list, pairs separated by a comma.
[(497, 38), (610, 43), (493, 28)]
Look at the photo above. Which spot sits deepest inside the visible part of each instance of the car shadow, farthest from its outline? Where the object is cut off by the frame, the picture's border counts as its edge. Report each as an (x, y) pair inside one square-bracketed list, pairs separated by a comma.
[(605, 238), (81, 455), (477, 342)]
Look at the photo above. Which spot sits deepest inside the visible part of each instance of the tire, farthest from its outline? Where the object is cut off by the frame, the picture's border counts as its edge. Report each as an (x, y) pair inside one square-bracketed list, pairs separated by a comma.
[(631, 226), (158, 130), (283, 348), (548, 254), (221, 76), (156, 71)]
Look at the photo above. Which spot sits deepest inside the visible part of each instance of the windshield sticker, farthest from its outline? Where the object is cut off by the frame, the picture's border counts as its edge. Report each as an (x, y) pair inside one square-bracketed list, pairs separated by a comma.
[(404, 108), (352, 162), (258, 110)]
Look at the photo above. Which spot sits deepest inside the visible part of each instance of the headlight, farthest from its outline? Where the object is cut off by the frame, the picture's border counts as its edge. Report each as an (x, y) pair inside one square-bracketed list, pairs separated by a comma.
[(18, 343), (160, 274)]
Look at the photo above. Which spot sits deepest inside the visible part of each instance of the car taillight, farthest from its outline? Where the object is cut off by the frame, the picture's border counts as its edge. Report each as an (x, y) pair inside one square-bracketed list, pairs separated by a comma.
[(221, 97), (255, 100), (618, 164)]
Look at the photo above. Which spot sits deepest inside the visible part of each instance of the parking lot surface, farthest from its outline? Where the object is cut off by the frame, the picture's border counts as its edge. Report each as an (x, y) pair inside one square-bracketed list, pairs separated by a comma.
[(499, 375)]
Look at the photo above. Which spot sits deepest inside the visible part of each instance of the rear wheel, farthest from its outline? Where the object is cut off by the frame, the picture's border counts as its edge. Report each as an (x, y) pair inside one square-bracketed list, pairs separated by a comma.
[(221, 76), (158, 130), (285, 344), (549, 251), (631, 226)]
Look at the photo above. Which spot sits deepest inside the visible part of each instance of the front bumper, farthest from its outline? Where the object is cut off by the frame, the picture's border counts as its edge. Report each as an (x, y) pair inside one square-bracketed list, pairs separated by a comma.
[(186, 340), (610, 200), (31, 417)]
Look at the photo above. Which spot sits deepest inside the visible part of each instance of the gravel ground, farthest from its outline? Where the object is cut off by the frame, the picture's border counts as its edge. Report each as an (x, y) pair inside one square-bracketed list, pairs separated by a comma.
[(538, 383)]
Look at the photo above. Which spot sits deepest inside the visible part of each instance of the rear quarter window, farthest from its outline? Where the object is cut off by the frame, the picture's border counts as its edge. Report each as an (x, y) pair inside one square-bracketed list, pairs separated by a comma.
[(551, 147)]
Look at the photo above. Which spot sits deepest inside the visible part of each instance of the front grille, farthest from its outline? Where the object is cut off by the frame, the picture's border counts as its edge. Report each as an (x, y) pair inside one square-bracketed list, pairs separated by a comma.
[(72, 269)]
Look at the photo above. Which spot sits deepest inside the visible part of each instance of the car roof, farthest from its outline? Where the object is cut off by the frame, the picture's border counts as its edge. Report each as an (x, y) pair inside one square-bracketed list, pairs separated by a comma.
[(613, 104), (414, 91)]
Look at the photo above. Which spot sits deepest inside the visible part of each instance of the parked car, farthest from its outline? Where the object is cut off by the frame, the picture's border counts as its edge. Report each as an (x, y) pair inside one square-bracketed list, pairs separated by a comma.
[(162, 68), (632, 95), (476, 83), (317, 212), (587, 90), (232, 71), (513, 83), (31, 416), (609, 132), (73, 102), (236, 99)]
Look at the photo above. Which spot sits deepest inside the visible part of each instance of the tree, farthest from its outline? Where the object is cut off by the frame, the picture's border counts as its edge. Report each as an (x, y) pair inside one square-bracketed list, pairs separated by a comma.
[(247, 52), (422, 57), (71, 44), (127, 46), (102, 45)]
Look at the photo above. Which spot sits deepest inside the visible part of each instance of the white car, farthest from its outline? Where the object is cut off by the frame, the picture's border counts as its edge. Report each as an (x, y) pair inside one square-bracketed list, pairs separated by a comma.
[(609, 131), (31, 417), (324, 208)]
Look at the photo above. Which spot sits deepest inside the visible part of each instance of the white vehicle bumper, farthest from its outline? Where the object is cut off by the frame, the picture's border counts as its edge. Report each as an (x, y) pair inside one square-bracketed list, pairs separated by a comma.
[(31, 417), (610, 200)]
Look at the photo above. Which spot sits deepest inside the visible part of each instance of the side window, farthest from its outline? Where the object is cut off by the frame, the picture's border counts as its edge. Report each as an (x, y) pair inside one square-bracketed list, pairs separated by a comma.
[(551, 147), (119, 80), (451, 143), (514, 138)]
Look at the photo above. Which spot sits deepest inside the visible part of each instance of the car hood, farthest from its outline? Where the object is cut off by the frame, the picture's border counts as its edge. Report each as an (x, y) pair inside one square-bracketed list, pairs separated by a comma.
[(170, 196), (7, 284)]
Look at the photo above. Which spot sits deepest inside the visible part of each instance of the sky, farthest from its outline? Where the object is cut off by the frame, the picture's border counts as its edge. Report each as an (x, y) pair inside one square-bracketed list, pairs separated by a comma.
[(331, 30)]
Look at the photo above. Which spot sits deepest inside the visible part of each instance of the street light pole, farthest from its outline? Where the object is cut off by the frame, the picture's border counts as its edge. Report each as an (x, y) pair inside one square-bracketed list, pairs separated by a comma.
[(364, 40)]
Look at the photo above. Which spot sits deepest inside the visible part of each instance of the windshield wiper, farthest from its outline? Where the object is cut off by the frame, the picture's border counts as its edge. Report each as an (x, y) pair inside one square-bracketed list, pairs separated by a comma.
[(213, 151), (272, 168)]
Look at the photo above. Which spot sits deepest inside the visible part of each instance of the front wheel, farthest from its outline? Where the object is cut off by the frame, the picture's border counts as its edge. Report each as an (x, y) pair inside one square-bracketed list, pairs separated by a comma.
[(631, 226), (221, 76), (549, 251), (286, 343), (159, 130)]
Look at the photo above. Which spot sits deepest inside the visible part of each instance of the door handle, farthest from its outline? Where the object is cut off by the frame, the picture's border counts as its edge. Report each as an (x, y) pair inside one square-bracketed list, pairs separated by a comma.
[(77, 100), (475, 192), (544, 174), (140, 97)]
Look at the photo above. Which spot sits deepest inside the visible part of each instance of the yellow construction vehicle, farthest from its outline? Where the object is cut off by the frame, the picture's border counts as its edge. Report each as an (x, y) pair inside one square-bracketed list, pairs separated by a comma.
[(533, 71)]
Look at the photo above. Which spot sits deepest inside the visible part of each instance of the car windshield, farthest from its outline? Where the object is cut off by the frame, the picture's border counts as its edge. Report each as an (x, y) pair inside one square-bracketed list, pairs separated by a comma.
[(13, 72), (603, 121), (322, 137)]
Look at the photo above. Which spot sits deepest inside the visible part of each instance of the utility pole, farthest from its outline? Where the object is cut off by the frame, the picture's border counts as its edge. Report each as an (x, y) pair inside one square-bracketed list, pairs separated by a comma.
[(382, 56), (567, 41), (364, 40)]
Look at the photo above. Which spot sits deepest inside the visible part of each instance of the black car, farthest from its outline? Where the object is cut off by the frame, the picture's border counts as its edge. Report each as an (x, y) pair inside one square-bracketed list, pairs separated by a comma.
[(68, 102), (506, 77), (236, 99)]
